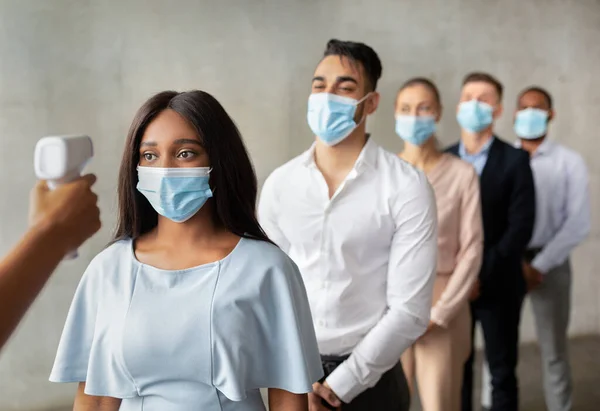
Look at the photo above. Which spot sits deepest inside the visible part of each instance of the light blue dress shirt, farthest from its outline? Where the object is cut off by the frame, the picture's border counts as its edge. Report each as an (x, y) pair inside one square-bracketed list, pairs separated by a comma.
[(478, 159), (562, 214), (205, 338)]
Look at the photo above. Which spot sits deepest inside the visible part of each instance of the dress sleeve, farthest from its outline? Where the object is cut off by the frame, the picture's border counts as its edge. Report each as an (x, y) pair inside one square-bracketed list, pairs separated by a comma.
[(263, 335), (86, 349)]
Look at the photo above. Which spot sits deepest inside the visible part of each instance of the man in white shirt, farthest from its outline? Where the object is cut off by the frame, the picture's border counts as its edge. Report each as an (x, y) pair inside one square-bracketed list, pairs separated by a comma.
[(562, 221), (361, 225)]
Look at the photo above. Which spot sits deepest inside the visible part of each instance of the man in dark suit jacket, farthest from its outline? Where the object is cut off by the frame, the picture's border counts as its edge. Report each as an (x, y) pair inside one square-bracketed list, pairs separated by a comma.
[(508, 209)]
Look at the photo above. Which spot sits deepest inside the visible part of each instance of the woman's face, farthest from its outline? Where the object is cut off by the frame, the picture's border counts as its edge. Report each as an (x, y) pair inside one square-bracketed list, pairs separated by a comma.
[(170, 141), (417, 100)]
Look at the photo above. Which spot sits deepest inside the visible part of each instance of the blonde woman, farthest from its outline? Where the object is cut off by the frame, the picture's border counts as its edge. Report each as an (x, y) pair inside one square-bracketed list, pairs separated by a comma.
[(437, 359)]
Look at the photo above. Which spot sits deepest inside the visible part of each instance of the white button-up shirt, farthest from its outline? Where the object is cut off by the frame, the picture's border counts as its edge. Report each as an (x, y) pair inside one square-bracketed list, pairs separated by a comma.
[(562, 214), (367, 256)]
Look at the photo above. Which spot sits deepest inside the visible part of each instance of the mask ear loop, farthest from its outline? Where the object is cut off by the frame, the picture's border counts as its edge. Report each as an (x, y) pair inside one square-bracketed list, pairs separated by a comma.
[(208, 173), (364, 98), (359, 102)]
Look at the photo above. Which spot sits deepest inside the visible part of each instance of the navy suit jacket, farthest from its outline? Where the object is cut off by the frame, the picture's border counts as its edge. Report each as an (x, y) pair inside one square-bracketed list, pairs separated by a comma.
[(508, 211)]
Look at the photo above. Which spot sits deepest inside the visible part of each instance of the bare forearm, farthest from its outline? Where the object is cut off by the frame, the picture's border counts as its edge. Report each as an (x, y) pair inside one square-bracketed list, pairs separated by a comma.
[(84, 402), (23, 274), (280, 400)]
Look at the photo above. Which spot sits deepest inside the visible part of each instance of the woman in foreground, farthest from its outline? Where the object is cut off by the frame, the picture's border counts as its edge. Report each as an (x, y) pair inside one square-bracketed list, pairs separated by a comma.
[(192, 307)]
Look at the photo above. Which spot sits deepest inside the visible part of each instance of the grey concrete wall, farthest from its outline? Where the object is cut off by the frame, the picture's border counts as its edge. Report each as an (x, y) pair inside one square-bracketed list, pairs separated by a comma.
[(85, 66)]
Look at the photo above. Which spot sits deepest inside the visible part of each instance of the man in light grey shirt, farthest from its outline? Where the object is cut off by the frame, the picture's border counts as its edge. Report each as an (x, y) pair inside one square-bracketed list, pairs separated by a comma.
[(562, 222)]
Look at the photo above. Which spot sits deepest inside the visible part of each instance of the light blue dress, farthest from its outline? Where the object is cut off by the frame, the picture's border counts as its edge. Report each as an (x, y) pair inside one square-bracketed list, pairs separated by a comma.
[(201, 339)]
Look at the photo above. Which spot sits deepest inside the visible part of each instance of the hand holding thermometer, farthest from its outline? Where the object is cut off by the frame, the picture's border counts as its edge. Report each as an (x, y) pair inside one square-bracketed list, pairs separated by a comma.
[(60, 160)]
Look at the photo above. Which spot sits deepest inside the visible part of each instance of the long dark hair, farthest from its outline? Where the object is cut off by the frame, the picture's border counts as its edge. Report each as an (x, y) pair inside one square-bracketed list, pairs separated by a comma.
[(232, 179)]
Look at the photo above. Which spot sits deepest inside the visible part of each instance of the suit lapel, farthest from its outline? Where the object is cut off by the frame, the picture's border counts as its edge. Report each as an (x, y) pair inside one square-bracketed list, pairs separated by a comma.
[(491, 168)]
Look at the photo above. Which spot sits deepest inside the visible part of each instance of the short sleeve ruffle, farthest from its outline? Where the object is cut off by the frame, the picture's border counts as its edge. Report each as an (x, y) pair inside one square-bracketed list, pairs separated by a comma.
[(266, 338), (85, 351)]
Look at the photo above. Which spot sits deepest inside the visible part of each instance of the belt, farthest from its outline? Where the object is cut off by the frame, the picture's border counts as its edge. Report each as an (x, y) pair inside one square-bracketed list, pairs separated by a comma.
[(331, 362), (530, 254)]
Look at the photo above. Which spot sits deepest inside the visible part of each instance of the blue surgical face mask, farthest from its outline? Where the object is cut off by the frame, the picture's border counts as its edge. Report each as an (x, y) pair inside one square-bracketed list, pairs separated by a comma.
[(475, 116), (531, 123), (175, 193), (331, 117), (415, 129)]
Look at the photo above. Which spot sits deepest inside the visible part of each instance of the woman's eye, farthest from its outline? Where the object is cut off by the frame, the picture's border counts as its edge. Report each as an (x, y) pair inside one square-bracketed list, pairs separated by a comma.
[(149, 156), (186, 154)]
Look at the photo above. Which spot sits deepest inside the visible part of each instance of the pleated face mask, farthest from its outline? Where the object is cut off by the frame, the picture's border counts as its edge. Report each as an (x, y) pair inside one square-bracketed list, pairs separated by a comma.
[(531, 123), (415, 129), (475, 116), (331, 117), (175, 193)]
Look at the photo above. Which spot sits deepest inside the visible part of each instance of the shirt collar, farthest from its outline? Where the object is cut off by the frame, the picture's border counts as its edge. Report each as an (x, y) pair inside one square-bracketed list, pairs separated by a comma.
[(484, 150), (367, 156), (544, 148)]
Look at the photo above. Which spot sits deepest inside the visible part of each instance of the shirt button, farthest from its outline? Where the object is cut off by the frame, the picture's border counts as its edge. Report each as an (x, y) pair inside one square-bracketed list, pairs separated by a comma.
[(321, 323)]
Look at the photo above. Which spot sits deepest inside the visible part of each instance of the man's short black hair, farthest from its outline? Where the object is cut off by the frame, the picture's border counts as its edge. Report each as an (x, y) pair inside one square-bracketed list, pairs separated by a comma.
[(540, 90), (485, 78), (357, 52)]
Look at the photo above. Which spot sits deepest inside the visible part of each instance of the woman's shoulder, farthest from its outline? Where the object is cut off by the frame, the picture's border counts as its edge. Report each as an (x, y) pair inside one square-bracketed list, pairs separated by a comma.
[(459, 170), (256, 261), (263, 253), (456, 163), (112, 255), (107, 268)]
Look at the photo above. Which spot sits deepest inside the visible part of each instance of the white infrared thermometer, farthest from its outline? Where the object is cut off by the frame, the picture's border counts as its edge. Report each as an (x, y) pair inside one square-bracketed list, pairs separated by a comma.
[(60, 160)]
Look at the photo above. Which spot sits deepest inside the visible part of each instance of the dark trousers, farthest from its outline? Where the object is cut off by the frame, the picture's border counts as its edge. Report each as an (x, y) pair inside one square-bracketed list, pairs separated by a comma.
[(389, 394), (500, 323)]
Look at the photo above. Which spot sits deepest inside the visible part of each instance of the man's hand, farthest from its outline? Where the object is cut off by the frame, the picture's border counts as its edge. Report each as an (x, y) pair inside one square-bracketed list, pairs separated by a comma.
[(71, 211), (322, 392), (533, 277), (475, 291)]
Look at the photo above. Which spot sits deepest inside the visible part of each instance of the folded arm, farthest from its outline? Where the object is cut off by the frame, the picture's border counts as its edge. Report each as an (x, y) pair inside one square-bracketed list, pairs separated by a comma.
[(577, 225), (468, 260)]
